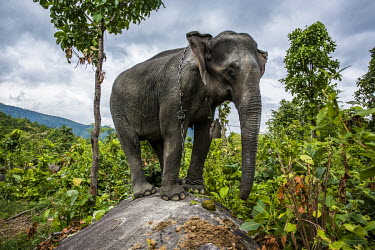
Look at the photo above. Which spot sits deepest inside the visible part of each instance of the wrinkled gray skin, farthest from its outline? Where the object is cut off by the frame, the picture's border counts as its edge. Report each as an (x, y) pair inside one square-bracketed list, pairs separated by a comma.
[(145, 101)]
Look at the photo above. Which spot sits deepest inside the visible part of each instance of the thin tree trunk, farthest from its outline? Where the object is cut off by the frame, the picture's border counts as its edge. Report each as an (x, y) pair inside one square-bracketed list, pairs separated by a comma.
[(95, 133)]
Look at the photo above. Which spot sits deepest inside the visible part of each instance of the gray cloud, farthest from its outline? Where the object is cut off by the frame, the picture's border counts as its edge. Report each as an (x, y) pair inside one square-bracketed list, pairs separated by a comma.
[(20, 17)]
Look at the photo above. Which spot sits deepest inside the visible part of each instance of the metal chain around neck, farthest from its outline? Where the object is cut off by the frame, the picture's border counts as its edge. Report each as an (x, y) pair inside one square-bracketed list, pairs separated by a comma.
[(181, 114)]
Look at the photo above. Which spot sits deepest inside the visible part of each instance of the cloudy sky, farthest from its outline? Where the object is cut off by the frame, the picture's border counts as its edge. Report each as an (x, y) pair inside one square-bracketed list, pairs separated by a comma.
[(35, 75)]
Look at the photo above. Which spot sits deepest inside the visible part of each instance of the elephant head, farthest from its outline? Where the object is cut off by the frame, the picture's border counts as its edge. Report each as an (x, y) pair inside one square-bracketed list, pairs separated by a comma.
[(231, 66)]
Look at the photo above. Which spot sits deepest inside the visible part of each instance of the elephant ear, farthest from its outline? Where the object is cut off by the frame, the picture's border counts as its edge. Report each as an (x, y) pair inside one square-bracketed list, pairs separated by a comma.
[(263, 57), (198, 44)]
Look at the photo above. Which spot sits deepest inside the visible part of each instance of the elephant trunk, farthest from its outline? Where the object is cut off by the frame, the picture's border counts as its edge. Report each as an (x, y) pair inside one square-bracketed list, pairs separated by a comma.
[(249, 109)]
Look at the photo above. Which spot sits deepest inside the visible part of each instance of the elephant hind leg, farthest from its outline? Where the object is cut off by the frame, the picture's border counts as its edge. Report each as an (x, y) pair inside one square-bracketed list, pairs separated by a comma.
[(131, 145), (158, 147), (202, 141)]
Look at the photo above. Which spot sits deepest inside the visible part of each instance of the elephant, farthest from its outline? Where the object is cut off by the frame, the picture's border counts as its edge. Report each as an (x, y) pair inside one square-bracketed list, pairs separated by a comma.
[(159, 99)]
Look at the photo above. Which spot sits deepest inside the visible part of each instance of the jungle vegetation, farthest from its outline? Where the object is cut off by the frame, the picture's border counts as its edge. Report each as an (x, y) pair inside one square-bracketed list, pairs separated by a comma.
[(314, 186)]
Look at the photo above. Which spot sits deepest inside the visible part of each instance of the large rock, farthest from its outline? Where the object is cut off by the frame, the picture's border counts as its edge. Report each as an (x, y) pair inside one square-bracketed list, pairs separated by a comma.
[(54, 168), (152, 223)]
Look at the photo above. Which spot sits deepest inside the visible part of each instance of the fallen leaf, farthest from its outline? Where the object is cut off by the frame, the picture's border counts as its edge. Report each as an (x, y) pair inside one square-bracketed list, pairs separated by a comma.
[(151, 243), (136, 246), (280, 194), (32, 230), (301, 208), (283, 240)]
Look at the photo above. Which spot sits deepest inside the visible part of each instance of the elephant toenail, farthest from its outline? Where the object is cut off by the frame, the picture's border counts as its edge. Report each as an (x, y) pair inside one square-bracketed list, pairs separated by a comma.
[(175, 198), (147, 193), (182, 196), (165, 198), (202, 191)]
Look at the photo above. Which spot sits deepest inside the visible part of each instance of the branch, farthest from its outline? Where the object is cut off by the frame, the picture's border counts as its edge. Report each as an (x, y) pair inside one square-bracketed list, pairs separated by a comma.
[(19, 214)]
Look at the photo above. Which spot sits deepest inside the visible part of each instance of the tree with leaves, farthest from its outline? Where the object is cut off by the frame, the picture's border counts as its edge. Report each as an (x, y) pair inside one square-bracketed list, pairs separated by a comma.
[(287, 113), (81, 26), (310, 68), (366, 88), (366, 85)]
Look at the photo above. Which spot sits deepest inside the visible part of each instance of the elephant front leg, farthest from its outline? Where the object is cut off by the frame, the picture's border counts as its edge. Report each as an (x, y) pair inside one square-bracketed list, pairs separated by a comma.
[(170, 185), (202, 142)]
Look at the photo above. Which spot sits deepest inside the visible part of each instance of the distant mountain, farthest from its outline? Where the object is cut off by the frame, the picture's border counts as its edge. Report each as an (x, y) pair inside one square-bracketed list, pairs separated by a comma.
[(55, 121), (48, 120)]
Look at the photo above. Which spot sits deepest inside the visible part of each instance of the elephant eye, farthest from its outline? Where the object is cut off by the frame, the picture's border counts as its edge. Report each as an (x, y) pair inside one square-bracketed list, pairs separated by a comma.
[(230, 71)]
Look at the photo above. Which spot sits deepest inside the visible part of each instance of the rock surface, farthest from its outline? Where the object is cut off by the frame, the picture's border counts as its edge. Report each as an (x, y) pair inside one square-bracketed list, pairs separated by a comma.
[(152, 223)]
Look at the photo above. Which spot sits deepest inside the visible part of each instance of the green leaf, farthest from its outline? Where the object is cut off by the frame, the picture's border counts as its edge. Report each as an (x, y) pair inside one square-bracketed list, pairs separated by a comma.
[(216, 195), (56, 222), (307, 159), (261, 217), (17, 177), (97, 17), (289, 227), (59, 34), (319, 172), (353, 103), (265, 199), (316, 214), (260, 208), (367, 173), (370, 227), (365, 112), (45, 214), (350, 227), (323, 236), (330, 201), (358, 218), (223, 192), (73, 194), (250, 225), (333, 181), (360, 231), (338, 245), (98, 214), (353, 239), (281, 215)]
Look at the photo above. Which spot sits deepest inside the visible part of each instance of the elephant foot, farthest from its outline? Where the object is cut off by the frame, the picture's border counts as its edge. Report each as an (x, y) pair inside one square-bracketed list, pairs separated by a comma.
[(174, 192), (143, 189), (195, 186)]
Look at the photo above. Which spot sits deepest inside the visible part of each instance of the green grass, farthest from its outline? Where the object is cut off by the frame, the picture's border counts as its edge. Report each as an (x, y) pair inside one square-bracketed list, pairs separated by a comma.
[(10, 208)]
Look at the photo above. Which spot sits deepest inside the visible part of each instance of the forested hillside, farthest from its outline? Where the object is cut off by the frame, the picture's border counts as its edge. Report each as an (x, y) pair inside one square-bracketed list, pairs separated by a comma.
[(8, 124), (48, 120)]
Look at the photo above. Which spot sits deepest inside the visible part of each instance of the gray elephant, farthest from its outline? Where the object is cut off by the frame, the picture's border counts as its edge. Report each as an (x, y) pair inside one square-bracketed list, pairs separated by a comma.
[(158, 100)]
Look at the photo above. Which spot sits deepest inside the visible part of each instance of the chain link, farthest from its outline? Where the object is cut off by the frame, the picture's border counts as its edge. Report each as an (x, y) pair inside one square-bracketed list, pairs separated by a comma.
[(181, 114)]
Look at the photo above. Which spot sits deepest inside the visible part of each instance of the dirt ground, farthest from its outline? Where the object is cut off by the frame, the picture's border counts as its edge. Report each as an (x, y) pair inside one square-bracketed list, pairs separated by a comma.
[(10, 229)]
